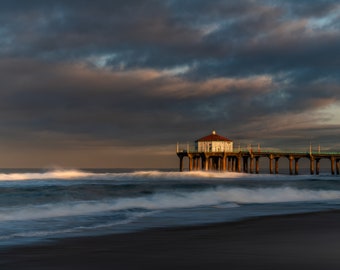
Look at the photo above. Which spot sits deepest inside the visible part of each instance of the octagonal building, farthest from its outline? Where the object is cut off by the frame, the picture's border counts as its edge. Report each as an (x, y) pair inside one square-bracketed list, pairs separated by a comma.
[(214, 143)]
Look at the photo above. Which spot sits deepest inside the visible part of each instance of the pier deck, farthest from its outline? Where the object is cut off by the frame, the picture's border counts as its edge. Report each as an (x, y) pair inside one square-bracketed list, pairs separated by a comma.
[(248, 161)]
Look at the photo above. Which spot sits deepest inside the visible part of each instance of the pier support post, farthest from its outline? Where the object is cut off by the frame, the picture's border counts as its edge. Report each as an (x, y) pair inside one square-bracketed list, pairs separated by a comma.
[(221, 164), (311, 165), (190, 162), (239, 164), (224, 163), (317, 161), (210, 163), (257, 165), (194, 167), (206, 162), (198, 163), (332, 165), (297, 166), (181, 163), (277, 165), (245, 164), (271, 164), (338, 166), (251, 167), (291, 165)]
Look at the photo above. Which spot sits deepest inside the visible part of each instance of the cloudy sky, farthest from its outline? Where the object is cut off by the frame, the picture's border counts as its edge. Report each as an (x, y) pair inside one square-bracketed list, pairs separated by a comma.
[(117, 83)]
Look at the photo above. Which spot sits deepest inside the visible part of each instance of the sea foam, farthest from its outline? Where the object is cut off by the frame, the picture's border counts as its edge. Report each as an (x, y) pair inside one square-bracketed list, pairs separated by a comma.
[(64, 174)]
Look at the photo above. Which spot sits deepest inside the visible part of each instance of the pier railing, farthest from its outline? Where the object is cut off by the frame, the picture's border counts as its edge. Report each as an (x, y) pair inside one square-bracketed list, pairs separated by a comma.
[(190, 148)]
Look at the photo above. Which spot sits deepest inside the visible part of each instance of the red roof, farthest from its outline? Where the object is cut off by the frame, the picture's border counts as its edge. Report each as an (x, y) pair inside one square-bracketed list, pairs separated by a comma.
[(214, 137)]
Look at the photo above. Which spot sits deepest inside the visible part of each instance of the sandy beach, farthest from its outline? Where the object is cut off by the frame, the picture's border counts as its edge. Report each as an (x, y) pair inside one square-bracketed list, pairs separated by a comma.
[(307, 241)]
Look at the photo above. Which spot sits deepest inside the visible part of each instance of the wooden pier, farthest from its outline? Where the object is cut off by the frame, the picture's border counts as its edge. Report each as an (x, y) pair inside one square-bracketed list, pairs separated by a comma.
[(248, 161)]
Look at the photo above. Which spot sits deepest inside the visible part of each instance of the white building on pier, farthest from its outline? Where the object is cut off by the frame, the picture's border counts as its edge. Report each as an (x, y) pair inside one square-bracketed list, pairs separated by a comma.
[(214, 143)]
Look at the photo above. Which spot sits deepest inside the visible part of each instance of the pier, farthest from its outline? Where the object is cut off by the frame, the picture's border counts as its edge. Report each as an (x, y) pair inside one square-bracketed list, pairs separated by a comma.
[(216, 153), (249, 161)]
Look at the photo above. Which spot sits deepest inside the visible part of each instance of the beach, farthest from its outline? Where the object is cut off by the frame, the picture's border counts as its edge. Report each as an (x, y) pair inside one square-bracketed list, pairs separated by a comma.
[(297, 241)]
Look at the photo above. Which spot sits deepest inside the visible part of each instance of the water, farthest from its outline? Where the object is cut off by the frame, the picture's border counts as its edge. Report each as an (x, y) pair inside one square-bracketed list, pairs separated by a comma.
[(40, 205)]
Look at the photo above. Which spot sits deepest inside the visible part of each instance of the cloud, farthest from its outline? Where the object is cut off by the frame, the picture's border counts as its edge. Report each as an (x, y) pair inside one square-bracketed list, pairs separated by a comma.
[(75, 97), (142, 74)]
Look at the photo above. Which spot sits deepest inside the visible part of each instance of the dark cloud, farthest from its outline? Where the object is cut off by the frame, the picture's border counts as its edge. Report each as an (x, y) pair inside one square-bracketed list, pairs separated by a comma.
[(124, 75), (79, 29)]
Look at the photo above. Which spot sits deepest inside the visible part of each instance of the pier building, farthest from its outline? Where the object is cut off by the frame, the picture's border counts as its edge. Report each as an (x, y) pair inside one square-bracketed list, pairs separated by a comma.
[(216, 152), (214, 143)]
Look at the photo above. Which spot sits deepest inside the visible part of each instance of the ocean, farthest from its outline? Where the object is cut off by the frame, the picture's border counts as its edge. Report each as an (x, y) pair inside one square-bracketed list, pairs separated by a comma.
[(44, 205)]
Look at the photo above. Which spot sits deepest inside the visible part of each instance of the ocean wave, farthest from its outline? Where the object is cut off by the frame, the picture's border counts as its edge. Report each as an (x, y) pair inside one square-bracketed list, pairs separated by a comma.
[(86, 175), (37, 232), (230, 197), (64, 174), (55, 174)]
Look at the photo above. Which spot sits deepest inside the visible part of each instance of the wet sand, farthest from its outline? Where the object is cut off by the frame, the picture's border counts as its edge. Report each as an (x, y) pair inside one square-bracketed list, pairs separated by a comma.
[(308, 241)]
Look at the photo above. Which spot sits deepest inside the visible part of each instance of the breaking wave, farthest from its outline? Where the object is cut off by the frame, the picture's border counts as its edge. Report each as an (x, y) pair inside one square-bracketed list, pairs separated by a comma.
[(55, 174), (136, 175), (229, 197)]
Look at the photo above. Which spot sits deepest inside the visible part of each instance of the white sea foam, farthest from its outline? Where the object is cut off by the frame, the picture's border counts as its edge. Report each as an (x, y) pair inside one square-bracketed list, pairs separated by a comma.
[(142, 175), (84, 175), (230, 197), (55, 174), (191, 174)]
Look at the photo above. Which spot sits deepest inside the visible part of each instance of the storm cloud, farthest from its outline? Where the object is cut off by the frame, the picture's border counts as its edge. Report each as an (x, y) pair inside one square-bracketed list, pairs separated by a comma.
[(118, 83)]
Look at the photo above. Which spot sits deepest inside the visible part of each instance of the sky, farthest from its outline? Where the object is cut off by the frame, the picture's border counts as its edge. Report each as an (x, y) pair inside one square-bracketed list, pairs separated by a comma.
[(116, 84)]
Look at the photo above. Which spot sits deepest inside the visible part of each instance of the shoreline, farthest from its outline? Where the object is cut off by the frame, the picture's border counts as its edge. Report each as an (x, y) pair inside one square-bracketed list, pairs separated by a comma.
[(294, 241)]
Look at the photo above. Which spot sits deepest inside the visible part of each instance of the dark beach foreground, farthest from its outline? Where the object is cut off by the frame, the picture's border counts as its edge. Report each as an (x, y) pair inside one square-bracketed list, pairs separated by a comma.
[(307, 241)]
